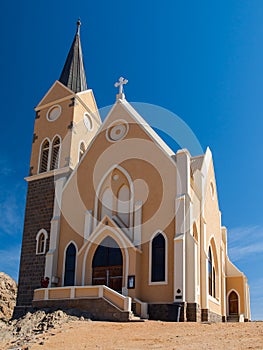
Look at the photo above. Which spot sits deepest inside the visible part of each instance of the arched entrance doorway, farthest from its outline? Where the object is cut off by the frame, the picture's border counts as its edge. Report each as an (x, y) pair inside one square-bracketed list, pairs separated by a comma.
[(107, 265), (233, 303)]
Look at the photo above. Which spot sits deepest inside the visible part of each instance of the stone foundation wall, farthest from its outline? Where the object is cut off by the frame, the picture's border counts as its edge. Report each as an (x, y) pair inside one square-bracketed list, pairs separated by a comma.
[(38, 213), (209, 316), (165, 312), (190, 312), (193, 312), (96, 309)]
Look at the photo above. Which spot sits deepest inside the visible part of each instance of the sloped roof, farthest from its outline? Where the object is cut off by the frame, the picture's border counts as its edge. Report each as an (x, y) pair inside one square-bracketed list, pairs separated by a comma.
[(73, 74), (149, 130)]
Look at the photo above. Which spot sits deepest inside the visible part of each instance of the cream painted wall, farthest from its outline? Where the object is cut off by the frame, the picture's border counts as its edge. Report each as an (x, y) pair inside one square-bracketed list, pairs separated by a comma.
[(154, 174)]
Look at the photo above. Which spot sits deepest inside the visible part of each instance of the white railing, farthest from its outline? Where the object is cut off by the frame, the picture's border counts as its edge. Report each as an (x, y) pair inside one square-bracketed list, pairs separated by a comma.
[(143, 312)]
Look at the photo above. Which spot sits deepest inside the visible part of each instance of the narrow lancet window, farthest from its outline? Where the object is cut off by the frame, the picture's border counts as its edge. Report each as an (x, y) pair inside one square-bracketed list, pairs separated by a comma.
[(44, 157), (55, 153)]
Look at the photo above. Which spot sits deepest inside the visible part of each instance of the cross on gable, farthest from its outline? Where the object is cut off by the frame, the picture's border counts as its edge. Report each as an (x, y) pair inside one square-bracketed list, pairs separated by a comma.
[(120, 84)]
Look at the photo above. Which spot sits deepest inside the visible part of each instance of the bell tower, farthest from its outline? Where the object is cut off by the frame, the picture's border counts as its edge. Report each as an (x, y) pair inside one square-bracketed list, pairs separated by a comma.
[(66, 121)]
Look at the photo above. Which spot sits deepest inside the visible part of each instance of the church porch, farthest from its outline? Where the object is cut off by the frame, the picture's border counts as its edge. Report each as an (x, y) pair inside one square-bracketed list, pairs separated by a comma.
[(97, 302)]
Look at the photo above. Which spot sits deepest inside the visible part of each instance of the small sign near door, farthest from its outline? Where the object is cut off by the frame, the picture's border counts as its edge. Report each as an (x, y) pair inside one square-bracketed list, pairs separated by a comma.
[(131, 282)]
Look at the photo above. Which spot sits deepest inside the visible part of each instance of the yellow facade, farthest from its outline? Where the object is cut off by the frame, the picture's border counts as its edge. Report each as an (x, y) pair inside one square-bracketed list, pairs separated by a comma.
[(118, 182)]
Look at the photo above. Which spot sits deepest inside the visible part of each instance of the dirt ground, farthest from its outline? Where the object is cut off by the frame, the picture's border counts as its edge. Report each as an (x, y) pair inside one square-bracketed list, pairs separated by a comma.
[(153, 335)]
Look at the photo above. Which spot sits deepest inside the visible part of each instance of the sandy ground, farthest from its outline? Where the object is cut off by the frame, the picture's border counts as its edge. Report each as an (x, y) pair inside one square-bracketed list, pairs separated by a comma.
[(152, 335)]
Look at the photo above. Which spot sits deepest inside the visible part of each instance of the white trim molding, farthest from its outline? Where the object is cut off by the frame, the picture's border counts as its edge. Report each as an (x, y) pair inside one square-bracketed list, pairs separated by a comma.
[(58, 114)]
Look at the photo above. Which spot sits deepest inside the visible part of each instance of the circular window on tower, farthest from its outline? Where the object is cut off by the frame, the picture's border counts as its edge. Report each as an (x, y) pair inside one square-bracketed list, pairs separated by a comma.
[(53, 113), (117, 131), (88, 121)]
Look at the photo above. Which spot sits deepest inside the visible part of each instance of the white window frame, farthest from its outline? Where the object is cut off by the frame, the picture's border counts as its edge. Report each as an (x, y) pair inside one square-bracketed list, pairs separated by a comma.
[(40, 154), (64, 262), (150, 283), (45, 242), (51, 150), (49, 153)]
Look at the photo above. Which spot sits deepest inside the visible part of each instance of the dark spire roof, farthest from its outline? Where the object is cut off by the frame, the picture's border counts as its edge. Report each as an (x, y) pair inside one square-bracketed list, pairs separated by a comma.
[(73, 74)]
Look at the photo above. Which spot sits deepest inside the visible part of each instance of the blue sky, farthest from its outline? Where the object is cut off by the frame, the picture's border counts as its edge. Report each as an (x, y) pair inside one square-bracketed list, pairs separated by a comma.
[(202, 60)]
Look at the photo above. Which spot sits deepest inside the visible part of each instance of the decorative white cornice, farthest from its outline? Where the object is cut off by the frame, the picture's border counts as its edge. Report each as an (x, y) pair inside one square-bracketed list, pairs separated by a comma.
[(48, 174), (49, 104)]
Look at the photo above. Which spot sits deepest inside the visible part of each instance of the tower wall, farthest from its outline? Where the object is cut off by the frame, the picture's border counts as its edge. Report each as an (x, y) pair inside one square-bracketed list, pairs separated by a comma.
[(39, 212)]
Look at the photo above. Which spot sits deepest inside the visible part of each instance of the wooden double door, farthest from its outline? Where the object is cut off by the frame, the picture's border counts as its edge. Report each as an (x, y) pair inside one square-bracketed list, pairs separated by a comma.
[(107, 265), (110, 276)]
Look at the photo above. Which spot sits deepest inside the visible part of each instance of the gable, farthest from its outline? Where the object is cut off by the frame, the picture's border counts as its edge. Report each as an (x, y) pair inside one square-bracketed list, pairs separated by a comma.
[(149, 166), (57, 92), (136, 138), (124, 108)]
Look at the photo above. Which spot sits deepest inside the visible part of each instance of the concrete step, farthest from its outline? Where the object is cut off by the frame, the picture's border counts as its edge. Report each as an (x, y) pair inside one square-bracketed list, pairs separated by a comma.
[(135, 318), (233, 318)]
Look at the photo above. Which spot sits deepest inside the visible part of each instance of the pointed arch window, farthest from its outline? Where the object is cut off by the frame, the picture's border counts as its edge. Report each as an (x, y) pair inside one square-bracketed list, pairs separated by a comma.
[(106, 203), (55, 153), (70, 265), (41, 239), (158, 259), (44, 158), (123, 207), (81, 150), (211, 274)]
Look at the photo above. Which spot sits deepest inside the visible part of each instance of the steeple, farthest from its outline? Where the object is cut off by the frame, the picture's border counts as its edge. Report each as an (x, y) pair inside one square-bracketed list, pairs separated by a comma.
[(73, 74)]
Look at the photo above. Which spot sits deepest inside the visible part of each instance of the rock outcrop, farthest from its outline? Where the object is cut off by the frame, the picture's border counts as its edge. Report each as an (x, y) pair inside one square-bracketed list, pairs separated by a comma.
[(32, 328), (8, 292)]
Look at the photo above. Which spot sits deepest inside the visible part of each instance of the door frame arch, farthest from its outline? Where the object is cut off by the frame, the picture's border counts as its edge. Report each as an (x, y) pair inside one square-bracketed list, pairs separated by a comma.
[(227, 300), (106, 271), (123, 243)]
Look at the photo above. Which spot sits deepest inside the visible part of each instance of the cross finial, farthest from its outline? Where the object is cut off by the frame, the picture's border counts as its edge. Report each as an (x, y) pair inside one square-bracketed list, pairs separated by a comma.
[(78, 26), (120, 84)]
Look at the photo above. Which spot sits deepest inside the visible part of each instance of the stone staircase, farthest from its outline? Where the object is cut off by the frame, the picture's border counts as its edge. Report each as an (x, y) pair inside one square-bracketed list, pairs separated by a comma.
[(99, 302), (233, 318)]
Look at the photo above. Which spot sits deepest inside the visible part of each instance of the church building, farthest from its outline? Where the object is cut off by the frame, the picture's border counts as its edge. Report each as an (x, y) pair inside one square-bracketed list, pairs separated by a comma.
[(117, 225)]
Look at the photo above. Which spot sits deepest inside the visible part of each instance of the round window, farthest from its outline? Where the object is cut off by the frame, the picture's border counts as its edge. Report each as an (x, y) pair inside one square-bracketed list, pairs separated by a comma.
[(53, 113), (88, 121), (117, 131)]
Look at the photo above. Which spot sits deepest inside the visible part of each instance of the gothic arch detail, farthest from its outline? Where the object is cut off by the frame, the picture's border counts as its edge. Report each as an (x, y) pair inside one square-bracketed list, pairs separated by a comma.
[(70, 262), (106, 203), (114, 198), (158, 259), (123, 206), (213, 274), (233, 303), (55, 153), (41, 241), (44, 156)]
